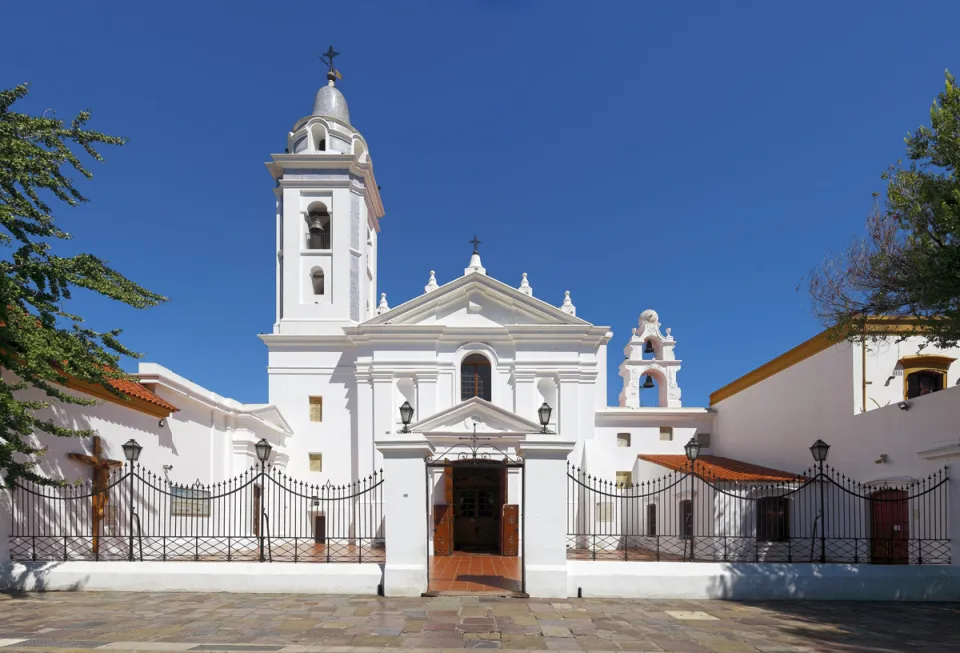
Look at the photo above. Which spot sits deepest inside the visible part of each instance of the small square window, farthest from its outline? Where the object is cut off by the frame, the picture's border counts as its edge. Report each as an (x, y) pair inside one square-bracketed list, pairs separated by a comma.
[(704, 440), (316, 409), (666, 432), (316, 462), (624, 478), (623, 439)]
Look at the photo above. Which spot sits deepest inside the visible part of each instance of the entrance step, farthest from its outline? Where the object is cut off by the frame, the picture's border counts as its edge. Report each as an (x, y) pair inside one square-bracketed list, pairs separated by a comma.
[(501, 594)]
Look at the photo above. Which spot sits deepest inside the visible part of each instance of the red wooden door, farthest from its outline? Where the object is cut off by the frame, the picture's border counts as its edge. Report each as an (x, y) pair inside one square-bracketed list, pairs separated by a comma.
[(510, 531), (443, 518), (889, 527)]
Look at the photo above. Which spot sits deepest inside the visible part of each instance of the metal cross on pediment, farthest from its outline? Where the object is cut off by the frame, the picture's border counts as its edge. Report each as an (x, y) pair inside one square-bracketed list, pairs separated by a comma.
[(475, 242), (328, 57), (101, 479)]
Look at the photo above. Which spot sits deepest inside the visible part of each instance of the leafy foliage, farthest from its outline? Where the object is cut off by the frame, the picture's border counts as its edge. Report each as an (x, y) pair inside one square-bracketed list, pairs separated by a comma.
[(908, 265), (41, 343)]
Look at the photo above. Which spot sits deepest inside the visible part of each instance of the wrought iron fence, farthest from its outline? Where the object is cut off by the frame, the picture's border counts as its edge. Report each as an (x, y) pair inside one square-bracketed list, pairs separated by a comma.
[(262, 515), (820, 516)]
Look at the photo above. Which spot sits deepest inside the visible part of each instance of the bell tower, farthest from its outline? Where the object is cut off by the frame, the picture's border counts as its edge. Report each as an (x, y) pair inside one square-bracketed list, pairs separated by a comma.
[(328, 220), (650, 355)]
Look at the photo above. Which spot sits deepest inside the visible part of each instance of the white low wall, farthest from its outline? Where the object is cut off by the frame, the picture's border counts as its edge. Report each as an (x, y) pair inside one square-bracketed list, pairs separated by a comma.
[(265, 578), (746, 582)]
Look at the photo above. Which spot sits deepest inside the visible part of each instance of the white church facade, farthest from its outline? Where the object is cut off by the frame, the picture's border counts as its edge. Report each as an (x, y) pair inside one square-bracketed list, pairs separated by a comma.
[(472, 418)]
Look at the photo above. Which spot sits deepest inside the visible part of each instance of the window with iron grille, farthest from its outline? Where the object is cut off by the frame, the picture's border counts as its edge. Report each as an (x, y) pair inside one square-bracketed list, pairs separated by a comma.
[(475, 377), (651, 519), (773, 519)]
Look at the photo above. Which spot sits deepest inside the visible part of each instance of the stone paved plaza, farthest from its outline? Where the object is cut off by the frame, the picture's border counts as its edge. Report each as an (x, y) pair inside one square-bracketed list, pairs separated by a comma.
[(305, 623)]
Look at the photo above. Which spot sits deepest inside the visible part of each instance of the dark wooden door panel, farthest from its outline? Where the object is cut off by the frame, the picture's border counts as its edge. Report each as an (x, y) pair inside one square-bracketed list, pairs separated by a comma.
[(510, 527), (890, 528), (442, 546)]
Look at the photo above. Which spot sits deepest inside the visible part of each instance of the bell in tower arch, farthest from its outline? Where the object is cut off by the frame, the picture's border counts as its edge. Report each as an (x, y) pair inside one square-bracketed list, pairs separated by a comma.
[(318, 227)]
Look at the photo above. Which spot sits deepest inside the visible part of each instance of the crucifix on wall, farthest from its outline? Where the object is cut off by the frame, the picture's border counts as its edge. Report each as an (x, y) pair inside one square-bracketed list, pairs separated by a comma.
[(101, 479)]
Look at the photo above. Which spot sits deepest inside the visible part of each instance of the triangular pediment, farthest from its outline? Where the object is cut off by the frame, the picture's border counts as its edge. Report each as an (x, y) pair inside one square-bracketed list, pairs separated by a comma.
[(475, 412), (476, 301)]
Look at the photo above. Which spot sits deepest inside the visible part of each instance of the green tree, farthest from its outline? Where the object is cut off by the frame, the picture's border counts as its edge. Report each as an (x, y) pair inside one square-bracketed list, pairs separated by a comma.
[(42, 344), (908, 265)]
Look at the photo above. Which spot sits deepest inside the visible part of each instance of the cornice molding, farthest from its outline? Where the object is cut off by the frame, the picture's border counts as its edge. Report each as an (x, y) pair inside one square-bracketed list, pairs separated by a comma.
[(349, 162), (532, 449), (949, 451)]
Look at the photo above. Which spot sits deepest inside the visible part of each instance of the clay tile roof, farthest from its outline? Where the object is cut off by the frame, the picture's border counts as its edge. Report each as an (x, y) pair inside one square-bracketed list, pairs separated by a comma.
[(722, 469), (137, 391)]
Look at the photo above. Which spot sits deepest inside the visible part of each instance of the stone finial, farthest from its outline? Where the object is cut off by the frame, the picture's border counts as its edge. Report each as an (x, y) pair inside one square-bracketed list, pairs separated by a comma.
[(649, 316), (668, 331), (382, 307), (475, 265), (431, 283), (567, 306), (525, 286)]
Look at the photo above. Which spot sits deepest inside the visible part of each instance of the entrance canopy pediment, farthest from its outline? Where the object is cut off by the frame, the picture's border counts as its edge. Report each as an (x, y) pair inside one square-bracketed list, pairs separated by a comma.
[(478, 416)]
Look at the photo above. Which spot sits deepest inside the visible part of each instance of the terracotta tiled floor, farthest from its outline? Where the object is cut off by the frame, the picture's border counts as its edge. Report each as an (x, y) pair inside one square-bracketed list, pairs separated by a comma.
[(474, 572)]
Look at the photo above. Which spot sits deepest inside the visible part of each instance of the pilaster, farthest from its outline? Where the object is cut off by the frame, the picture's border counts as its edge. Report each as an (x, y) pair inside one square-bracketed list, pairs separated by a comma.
[(405, 507), (365, 463), (569, 420), (545, 511), (426, 395)]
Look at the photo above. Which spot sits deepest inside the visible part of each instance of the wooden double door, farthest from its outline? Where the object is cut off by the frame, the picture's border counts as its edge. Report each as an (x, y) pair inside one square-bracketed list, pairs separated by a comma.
[(475, 516)]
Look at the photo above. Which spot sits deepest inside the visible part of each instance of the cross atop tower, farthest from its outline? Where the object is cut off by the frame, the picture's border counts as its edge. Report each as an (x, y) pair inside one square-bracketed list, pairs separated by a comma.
[(475, 242), (328, 57)]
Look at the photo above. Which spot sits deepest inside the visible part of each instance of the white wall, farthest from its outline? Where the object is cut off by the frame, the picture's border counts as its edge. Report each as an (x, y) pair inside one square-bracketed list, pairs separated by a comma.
[(185, 442), (884, 376), (774, 422)]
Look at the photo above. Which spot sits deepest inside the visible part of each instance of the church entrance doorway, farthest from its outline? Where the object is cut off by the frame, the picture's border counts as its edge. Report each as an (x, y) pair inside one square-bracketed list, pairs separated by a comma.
[(475, 506)]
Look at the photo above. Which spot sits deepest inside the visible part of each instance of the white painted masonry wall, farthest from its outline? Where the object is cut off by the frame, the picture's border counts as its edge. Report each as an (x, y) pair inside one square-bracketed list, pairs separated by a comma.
[(885, 376), (210, 438), (774, 422)]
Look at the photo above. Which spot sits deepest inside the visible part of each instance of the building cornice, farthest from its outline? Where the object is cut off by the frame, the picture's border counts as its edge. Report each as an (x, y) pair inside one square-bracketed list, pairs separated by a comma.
[(652, 415), (948, 451), (877, 326), (327, 161), (150, 373)]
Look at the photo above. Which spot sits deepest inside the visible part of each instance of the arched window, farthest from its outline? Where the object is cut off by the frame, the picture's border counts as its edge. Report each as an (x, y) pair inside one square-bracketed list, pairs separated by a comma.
[(318, 226), (475, 377), (316, 278)]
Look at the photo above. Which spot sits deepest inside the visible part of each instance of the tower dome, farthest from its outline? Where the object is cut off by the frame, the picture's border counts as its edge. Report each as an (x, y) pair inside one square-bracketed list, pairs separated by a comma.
[(330, 102)]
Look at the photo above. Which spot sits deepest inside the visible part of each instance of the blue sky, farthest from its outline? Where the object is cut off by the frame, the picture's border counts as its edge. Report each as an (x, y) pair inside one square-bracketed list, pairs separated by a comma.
[(697, 158)]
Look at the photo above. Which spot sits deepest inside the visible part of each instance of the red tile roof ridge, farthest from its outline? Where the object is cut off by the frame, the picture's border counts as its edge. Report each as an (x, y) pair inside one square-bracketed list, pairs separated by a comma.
[(722, 468)]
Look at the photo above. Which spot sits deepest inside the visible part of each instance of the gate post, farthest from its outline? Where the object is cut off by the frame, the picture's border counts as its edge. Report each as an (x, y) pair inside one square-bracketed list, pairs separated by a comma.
[(545, 515), (405, 512)]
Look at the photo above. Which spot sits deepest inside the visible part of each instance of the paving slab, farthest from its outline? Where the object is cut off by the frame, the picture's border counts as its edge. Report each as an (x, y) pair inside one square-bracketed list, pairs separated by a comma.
[(289, 623)]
